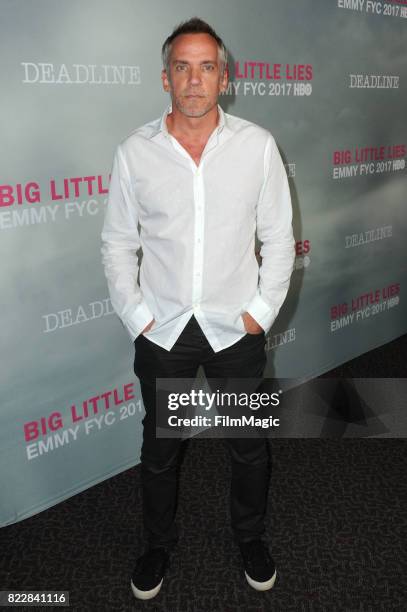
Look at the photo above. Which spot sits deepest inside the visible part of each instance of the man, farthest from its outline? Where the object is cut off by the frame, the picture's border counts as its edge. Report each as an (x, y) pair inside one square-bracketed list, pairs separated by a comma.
[(190, 189)]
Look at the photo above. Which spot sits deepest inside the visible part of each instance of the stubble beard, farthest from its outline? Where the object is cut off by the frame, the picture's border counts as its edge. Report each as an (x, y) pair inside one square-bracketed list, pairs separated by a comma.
[(189, 111)]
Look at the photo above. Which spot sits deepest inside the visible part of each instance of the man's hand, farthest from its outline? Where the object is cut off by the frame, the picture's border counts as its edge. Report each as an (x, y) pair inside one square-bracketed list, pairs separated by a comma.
[(149, 326), (251, 326)]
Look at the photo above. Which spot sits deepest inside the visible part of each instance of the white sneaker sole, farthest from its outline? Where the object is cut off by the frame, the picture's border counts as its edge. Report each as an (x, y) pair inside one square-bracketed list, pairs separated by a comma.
[(261, 586), (145, 594)]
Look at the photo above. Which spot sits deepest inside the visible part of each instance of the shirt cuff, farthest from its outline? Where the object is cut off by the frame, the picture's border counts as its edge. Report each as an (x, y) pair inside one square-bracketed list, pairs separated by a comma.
[(138, 319), (261, 312)]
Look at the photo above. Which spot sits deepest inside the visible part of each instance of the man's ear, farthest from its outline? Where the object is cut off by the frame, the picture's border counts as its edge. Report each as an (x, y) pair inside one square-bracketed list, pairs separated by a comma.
[(223, 85), (165, 81)]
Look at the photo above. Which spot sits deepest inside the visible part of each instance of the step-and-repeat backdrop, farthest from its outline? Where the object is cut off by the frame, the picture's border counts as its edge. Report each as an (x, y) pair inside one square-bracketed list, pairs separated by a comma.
[(326, 77)]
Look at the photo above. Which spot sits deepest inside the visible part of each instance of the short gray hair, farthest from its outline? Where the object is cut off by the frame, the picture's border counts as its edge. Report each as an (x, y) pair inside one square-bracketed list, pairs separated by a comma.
[(193, 26)]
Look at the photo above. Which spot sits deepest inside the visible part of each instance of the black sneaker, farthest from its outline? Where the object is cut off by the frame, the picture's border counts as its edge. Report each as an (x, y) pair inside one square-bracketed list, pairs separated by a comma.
[(260, 570), (148, 574)]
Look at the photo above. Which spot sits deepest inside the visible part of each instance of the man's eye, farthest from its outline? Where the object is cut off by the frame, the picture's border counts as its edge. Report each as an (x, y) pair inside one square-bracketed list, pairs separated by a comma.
[(180, 68), (208, 67)]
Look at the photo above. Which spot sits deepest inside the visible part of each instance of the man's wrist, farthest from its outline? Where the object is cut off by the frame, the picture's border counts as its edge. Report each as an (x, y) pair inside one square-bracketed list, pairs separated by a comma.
[(149, 326), (250, 324), (261, 312), (138, 319)]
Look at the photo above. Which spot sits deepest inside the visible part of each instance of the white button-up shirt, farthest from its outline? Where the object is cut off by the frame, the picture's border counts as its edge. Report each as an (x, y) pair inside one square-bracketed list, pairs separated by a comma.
[(196, 229)]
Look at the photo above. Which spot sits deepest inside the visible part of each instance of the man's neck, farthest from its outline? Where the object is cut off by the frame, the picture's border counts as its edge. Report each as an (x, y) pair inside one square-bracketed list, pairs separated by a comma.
[(194, 129)]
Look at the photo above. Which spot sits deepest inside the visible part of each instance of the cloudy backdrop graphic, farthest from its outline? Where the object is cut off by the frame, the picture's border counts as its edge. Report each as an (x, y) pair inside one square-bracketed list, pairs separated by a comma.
[(54, 131)]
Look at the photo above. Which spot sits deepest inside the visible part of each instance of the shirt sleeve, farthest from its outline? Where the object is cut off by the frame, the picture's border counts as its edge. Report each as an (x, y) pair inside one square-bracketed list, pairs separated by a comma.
[(274, 230), (120, 244)]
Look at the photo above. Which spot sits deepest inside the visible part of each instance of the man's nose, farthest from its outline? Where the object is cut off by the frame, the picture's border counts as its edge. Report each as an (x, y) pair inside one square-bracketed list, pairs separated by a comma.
[(195, 75)]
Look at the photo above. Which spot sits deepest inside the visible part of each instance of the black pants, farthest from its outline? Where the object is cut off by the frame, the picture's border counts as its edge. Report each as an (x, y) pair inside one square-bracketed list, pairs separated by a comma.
[(159, 456)]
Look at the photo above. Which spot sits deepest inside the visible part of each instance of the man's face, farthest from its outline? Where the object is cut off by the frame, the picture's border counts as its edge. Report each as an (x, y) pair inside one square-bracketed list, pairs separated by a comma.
[(194, 80)]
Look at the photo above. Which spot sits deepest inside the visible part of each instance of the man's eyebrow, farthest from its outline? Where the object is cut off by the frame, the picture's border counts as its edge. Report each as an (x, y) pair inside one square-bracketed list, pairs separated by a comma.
[(180, 61)]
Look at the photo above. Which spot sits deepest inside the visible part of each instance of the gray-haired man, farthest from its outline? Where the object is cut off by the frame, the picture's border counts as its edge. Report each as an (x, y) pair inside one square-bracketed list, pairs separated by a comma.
[(199, 183)]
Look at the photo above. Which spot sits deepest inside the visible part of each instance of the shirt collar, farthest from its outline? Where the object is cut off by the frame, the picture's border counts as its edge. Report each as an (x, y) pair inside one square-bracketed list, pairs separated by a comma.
[(162, 124)]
